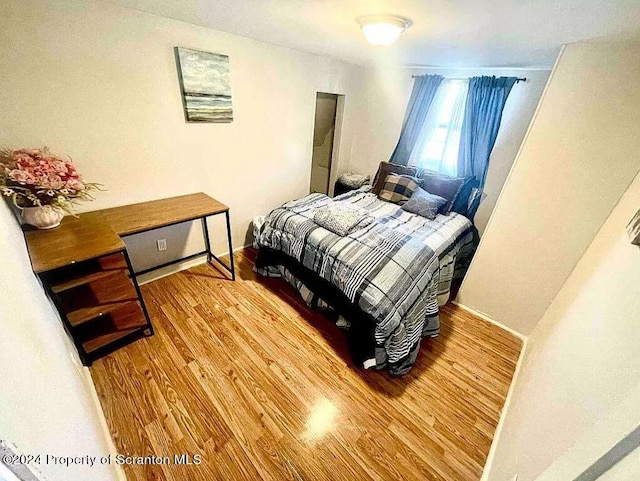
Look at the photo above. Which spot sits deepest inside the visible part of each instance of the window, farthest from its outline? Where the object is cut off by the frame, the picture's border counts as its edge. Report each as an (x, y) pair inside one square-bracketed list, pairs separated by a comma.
[(439, 140)]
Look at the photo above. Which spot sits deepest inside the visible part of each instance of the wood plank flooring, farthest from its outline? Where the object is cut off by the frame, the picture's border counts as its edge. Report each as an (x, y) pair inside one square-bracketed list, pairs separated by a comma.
[(246, 376)]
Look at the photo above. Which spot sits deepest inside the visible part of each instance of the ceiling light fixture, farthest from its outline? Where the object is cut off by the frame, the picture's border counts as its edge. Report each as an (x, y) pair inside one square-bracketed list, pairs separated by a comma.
[(383, 29)]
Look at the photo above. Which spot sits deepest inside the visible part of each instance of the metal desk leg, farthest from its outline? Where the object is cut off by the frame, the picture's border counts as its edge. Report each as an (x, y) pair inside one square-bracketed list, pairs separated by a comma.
[(205, 232), (134, 279), (233, 267)]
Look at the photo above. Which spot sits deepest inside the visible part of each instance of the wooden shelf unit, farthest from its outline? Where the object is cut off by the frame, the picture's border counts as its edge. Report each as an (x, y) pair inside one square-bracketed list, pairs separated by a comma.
[(85, 268), (95, 344), (92, 286), (127, 319), (89, 271), (88, 301)]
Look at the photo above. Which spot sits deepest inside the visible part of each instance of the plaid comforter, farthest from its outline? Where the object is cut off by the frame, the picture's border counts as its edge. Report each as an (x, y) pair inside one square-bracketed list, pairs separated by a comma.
[(392, 269)]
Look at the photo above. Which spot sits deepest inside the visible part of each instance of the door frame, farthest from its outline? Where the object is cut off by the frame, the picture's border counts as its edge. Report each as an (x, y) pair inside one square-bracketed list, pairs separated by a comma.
[(337, 136)]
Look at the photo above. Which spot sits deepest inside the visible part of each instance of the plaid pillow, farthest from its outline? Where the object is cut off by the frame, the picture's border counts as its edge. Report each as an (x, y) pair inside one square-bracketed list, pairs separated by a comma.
[(398, 188), (387, 168)]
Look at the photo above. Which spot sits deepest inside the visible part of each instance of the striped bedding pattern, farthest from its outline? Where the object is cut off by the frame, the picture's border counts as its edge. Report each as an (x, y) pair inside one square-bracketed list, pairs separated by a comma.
[(393, 269)]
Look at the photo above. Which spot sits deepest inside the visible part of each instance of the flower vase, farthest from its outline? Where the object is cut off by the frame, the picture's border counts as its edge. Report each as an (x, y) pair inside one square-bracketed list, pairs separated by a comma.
[(45, 217)]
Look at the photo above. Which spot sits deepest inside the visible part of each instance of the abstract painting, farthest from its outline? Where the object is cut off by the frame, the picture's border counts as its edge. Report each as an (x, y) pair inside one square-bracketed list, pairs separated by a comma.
[(205, 85)]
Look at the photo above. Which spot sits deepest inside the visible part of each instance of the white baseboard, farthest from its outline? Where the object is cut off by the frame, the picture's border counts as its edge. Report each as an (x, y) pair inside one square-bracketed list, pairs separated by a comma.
[(180, 266), (492, 321), (514, 380), (103, 424), (503, 414)]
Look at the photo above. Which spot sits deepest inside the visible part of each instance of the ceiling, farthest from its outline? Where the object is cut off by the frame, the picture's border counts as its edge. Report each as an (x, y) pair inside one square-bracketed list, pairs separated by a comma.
[(446, 33)]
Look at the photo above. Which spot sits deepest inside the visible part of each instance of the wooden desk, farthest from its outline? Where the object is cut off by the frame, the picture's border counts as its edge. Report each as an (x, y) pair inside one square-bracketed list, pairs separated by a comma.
[(77, 239), (137, 218), (86, 270)]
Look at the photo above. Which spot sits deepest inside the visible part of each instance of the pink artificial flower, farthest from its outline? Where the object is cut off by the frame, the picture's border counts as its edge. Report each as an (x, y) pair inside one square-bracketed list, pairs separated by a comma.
[(21, 176), (53, 182), (59, 166), (72, 173), (30, 152), (23, 160), (75, 184), (43, 175)]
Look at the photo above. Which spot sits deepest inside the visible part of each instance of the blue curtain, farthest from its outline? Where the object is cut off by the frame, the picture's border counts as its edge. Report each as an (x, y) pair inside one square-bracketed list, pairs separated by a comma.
[(483, 112), (424, 90)]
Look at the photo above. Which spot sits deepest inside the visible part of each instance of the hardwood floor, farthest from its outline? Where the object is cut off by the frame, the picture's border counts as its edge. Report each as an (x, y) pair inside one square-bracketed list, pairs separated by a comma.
[(246, 376)]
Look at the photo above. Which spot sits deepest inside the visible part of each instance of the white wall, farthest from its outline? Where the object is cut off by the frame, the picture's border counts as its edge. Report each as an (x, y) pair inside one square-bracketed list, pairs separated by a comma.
[(387, 92), (580, 155), (45, 401), (581, 362), (98, 82)]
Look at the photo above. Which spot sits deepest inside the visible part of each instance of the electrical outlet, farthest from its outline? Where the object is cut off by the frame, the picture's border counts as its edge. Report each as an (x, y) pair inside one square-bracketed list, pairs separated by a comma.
[(162, 245)]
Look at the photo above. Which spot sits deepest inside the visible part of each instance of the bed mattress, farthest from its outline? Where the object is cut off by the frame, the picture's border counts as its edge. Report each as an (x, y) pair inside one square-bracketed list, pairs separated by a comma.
[(395, 270)]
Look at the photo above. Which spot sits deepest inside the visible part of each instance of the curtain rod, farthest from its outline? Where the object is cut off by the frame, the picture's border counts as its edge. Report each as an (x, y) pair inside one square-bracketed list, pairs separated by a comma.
[(518, 80)]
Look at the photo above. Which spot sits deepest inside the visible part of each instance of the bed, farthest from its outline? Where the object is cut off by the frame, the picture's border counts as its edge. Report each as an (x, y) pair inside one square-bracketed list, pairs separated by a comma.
[(386, 279)]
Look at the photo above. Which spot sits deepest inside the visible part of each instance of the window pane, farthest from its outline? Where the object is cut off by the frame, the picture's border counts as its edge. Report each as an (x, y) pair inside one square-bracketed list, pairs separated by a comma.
[(440, 149), (444, 116), (433, 150), (440, 134), (450, 154)]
